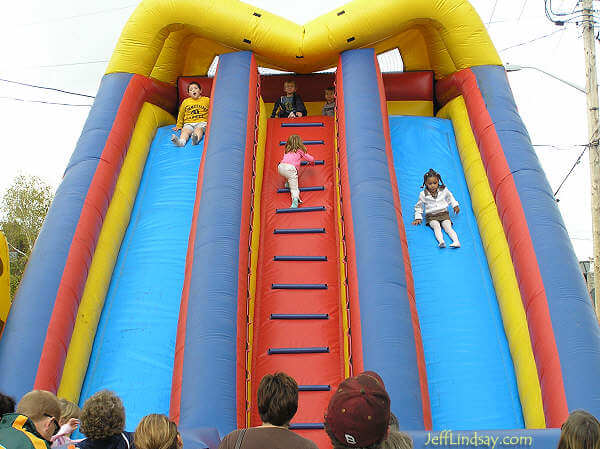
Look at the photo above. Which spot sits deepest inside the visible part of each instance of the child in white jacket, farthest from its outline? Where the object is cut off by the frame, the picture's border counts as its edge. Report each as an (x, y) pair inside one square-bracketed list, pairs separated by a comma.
[(434, 200)]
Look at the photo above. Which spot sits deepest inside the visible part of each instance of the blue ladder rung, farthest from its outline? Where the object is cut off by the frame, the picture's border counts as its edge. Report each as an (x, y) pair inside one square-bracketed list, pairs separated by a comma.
[(299, 316), (312, 350), (291, 210), (314, 387), (300, 258), (306, 142), (317, 162), (303, 189), (306, 426), (301, 125), (300, 231), (299, 286)]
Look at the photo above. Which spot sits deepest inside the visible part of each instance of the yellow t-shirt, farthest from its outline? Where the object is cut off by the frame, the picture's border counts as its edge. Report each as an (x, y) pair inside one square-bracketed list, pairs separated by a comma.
[(193, 111)]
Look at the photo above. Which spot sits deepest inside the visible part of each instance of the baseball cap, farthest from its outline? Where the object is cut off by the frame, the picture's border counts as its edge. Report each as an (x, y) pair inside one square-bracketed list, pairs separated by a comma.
[(359, 411)]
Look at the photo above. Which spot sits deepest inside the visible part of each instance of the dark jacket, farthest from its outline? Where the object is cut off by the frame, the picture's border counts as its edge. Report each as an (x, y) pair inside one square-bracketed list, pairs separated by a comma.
[(297, 105), (114, 442), (19, 432)]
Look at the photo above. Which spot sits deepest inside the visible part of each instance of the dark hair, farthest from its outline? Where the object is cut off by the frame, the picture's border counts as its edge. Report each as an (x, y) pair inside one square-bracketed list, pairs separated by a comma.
[(330, 89), (433, 174), (581, 430), (7, 404), (102, 415), (197, 84), (277, 398)]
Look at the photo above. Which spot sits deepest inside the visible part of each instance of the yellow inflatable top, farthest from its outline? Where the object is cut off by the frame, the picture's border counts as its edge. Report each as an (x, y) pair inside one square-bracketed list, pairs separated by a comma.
[(165, 39)]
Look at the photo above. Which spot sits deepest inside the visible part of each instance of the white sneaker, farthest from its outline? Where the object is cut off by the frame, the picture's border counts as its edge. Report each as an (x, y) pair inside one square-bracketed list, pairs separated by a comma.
[(442, 245), (455, 244)]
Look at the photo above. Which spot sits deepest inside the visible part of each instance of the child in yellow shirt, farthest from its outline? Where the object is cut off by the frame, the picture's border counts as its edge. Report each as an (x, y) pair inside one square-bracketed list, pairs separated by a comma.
[(192, 118)]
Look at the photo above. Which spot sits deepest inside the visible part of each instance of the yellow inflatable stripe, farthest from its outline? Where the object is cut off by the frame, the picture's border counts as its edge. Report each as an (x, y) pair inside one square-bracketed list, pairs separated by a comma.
[(4, 282), (416, 108), (258, 181), (109, 242), (500, 264), (165, 39)]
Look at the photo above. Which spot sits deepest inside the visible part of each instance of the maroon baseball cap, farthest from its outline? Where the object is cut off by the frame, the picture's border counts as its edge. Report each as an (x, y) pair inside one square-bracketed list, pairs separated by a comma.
[(359, 411)]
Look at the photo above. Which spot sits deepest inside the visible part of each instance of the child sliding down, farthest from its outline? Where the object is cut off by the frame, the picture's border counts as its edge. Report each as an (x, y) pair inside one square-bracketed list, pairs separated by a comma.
[(289, 165), (434, 200)]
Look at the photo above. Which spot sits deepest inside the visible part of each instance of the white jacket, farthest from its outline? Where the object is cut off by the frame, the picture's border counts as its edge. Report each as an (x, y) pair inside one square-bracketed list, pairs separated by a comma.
[(430, 205)]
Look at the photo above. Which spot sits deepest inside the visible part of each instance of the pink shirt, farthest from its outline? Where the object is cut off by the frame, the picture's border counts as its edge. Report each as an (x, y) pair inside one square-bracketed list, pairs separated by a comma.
[(296, 158)]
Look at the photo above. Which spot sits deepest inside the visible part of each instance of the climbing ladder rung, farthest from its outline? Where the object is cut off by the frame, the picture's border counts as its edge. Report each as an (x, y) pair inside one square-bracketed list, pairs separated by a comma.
[(300, 258), (291, 210), (299, 316), (306, 426), (299, 286), (302, 125), (317, 162), (312, 350), (314, 387), (307, 142), (303, 189), (300, 231)]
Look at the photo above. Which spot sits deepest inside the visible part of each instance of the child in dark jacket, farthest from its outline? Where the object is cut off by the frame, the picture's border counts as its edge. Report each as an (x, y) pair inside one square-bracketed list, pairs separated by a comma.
[(289, 105)]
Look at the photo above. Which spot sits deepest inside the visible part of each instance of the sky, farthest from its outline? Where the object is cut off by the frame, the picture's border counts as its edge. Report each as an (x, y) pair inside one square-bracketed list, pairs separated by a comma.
[(66, 44)]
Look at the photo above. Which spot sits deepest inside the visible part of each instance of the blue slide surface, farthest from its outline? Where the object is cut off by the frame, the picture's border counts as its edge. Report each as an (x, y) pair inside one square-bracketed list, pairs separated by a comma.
[(470, 373), (134, 348)]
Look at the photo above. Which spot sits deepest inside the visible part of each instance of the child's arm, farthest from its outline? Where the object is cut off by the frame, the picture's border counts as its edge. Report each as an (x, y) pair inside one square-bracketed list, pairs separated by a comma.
[(180, 116), (299, 107), (419, 208), (306, 156), (275, 108), (452, 201)]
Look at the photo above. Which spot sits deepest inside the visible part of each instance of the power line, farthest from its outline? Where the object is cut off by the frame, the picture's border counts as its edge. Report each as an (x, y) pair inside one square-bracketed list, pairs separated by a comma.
[(58, 19), (44, 102), (534, 39), (46, 88), (66, 64), (571, 171), (522, 9), (493, 11)]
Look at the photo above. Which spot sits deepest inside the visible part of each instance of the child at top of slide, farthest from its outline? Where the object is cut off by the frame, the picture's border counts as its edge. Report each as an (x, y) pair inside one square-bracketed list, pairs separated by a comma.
[(289, 105), (192, 118), (288, 167), (434, 200), (329, 106)]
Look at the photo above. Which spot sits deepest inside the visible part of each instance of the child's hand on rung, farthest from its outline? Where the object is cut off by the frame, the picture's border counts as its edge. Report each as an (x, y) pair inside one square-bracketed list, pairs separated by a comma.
[(176, 128), (417, 221), (456, 209)]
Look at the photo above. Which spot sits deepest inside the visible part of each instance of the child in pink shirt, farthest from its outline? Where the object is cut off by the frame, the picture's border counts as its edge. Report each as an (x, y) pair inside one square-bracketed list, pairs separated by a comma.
[(289, 165)]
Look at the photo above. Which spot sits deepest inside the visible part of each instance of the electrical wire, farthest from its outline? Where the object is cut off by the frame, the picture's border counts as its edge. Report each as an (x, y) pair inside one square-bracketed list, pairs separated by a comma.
[(493, 11), (522, 9), (534, 39), (46, 88), (58, 19), (66, 64), (44, 102), (571, 171)]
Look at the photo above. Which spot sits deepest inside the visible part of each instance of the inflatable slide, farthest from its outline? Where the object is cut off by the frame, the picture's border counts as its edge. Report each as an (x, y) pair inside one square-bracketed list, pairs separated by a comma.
[(178, 277)]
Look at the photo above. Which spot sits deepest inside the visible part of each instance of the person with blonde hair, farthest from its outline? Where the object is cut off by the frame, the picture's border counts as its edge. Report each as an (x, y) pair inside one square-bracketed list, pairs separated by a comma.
[(33, 424), (581, 430), (293, 154), (68, 421), (157, 432)]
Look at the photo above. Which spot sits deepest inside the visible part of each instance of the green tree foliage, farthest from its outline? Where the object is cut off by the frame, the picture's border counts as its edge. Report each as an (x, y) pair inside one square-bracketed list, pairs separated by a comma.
[(23, 209)]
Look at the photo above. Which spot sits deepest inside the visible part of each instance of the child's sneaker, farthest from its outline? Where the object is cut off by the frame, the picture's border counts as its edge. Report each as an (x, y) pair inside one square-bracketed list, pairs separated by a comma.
[(455, 244), (294, 203), (195, 139), (175, 140), (442, 245)]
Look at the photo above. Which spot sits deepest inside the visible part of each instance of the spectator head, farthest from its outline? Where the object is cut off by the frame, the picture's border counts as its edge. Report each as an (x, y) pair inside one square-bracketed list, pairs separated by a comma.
[(358, 414), (42, 408), (289, 87), (277, 399), (397, 440), (157, 432), (7, 404), (68, 410), (330, 94), (102, 416), (394, 424), (581, 430)]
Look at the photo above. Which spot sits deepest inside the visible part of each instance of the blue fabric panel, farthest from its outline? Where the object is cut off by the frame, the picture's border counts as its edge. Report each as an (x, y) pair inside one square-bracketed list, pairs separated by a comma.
[(136, 334), (209, 364), (387, 332), (489, 439), (573, 321), (468, 360), (23, 339)]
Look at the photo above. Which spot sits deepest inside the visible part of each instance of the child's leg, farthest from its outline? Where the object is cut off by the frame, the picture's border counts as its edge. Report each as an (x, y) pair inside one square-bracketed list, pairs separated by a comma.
[(197, 135), (437, 230), (447, 225), (289, 172), (185, 135)]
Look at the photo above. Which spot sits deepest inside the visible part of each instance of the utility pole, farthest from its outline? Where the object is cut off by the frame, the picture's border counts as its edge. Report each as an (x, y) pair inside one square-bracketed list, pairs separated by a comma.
[(591, 85)]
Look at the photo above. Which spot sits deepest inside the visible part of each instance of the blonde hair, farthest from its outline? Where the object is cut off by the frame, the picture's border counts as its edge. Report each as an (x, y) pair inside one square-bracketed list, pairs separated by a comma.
[(38, 403), (294, 143), (156, 432), (68, 410), (397, 440), (581, 430)]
